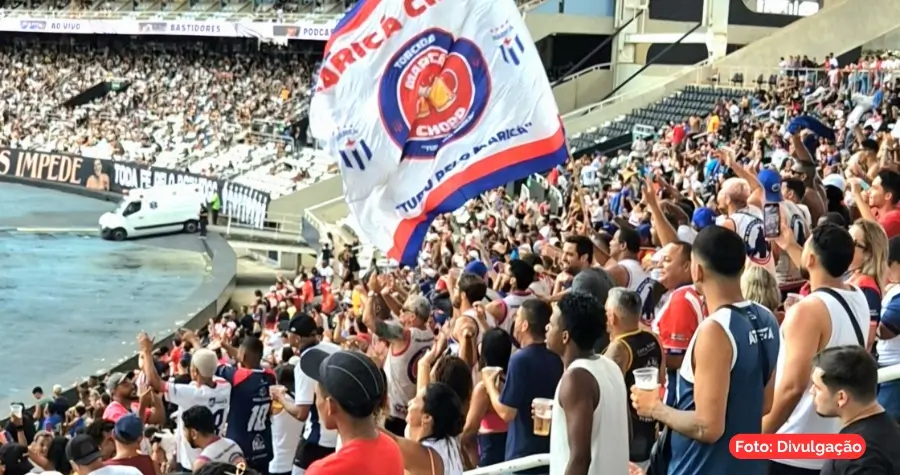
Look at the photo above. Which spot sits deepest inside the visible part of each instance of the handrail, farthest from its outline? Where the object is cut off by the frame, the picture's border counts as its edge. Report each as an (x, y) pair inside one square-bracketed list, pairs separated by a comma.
[(888, 373), (168, 14), (515, 465), (636, 93), (582, 72), (326, 203), (315, 222), (849, 76)]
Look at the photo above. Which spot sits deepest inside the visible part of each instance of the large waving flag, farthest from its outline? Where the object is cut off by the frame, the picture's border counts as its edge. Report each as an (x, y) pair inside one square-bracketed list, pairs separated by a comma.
[(427, 103)]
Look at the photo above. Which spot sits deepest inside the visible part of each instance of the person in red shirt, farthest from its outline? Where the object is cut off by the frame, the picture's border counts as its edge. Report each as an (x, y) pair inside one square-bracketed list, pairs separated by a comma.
[(350, 386), (122, 391), (128, 434), (680, 309), (881, 205)]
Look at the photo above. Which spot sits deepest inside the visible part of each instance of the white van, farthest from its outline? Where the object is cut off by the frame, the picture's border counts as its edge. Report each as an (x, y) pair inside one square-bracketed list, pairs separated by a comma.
[(153, 211)]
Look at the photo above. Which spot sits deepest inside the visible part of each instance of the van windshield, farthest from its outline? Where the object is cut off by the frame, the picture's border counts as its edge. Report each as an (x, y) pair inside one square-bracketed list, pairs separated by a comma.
[(126, 208), (123, 203)]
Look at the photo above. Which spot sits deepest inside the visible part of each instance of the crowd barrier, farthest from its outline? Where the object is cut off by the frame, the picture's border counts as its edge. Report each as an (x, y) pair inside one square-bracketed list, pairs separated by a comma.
[(245, 204), (848, 79)]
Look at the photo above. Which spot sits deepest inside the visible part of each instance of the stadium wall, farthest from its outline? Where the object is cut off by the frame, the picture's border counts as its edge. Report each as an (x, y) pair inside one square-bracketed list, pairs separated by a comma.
[(206, 302)]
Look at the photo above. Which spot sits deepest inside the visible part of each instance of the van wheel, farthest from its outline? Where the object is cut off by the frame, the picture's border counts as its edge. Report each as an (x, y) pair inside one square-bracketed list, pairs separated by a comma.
[(190, 226), (119, 234)]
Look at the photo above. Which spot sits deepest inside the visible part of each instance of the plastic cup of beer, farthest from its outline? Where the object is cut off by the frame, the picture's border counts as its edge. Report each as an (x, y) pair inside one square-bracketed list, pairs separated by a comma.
[(542, 414), (646, 379)]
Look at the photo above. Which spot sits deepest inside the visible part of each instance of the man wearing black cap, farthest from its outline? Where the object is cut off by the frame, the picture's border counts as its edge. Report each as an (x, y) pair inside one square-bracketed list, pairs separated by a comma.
[(318, 441), (84, 454), (350, 387), (14, 459)]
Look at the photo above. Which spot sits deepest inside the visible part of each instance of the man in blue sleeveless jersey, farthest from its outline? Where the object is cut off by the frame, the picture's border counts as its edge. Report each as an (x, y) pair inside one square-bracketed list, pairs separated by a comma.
[(726, 380), (249, 421)]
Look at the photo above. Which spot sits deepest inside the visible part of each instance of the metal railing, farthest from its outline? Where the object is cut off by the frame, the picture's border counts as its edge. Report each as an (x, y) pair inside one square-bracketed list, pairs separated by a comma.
[(275, 226), (888, 373), (584, 71), (695, 70), (852, 80)]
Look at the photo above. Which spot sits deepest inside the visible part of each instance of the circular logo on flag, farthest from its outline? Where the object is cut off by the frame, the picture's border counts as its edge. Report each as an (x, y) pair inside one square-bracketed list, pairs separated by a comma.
[(433, 91)]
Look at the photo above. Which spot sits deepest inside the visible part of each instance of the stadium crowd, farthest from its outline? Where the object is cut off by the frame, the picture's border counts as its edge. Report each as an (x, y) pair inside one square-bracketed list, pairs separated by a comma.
[(665, 304), (179, 100)]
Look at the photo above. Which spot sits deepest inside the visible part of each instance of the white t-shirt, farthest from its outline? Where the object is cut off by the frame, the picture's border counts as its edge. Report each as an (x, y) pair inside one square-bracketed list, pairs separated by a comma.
[(186, 396), (305, 395), (223, 450), (286, 432)]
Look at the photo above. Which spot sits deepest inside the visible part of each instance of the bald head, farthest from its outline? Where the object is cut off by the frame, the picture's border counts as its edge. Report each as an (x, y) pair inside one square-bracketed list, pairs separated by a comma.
[(735, 190)]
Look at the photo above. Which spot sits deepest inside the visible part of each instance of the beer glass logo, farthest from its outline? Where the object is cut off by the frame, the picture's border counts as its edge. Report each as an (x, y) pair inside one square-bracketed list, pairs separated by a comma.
[(434, 90)]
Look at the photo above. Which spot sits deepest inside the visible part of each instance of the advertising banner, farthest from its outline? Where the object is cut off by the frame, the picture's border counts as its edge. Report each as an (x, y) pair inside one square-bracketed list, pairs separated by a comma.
[(310, 30), (244, 204)]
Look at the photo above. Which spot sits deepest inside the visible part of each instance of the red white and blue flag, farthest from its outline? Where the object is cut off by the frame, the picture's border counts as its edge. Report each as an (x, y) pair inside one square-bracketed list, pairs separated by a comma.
[(427, 104)]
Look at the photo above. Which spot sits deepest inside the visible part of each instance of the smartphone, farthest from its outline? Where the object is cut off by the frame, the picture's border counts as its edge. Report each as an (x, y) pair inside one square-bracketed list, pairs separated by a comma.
[(772, 219)]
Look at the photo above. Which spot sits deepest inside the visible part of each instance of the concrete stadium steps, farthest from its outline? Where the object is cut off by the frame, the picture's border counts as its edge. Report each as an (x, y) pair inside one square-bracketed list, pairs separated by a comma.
[(333, 212)]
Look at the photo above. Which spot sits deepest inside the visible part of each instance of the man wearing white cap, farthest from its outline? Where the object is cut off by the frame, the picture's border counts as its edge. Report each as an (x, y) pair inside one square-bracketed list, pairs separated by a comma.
[(206, 389)]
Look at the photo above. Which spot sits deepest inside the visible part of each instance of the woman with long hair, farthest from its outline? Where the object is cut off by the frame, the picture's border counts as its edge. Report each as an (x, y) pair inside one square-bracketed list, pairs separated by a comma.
[(484, 434), (869, 267), (760, 286), (434, 423)]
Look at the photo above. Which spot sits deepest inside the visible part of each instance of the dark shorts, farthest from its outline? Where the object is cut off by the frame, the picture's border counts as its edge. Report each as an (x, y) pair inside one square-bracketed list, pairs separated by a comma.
[(260, 466), (308, 452)]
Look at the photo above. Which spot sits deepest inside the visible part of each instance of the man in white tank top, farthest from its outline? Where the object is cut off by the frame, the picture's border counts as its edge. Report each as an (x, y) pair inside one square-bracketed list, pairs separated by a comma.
[(833, 314), (591, 393), (501, 314), (408, 340), (627, 271), (742, 199)]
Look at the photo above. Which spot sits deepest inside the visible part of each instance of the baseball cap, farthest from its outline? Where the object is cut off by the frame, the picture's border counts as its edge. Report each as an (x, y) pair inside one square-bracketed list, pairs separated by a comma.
[(128, 429), (771, 183), (303, 325), (14, 457), (478, 268), (703, 217), (349, 377), (82, 450), (205, 361), (115, 379), (835, 180)]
